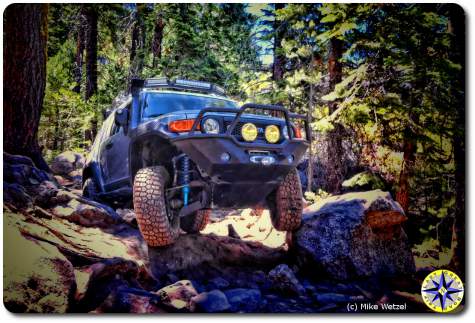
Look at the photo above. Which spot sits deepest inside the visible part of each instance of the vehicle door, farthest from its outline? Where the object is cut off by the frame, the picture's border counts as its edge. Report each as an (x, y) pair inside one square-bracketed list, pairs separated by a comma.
[(116, 158)]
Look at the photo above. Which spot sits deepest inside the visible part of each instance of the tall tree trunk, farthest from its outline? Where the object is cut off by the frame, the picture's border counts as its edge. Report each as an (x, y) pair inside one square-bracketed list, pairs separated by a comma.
[(90, 15), (310, 148), (24, 72), (409, 157), (457, 28), (157, 39), (334, 138), (80, 42), (137, 54), (279, 58)]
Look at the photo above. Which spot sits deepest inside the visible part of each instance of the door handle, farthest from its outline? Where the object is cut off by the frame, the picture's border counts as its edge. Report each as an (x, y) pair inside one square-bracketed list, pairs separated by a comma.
[(109, 145)]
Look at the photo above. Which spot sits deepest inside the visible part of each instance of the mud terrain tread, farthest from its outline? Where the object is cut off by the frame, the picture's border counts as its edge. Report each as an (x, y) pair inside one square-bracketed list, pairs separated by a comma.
[(287, 214), (150, 207), (196, 222)]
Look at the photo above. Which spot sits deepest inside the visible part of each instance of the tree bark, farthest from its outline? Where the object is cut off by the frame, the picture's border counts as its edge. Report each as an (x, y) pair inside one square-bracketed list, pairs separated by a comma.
[(24, 72), (334, 138), (80, 44), (157, 39), (279, 58), (457, 28), (137, 54), (90, 15), (409, 157)]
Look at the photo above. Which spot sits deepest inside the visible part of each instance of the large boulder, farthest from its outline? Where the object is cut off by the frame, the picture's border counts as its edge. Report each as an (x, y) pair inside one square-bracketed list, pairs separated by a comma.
[(37, 277), (22, 171), (354, 235), (67, 162), (198, 256)]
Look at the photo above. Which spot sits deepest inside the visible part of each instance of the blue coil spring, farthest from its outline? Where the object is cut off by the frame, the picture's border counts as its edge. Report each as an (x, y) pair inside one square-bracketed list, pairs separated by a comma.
[(185, 178)]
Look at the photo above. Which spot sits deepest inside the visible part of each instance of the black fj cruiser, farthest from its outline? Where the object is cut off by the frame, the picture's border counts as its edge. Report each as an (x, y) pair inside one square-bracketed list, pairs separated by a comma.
[(181, 148)]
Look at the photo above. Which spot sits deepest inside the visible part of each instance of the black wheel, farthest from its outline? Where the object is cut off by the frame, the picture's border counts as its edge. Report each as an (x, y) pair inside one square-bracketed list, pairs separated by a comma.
[(194, 223), (89, 189), (150, 207), (286, 203)]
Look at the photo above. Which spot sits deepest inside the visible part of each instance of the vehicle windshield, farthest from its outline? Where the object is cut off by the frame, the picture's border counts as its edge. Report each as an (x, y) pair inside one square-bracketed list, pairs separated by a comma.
[(156, 104)]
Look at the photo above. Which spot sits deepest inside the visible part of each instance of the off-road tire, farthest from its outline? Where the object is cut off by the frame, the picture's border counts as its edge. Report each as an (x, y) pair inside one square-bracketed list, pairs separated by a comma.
[(89, 189), (194, 223), (287, 208), (151, 209)]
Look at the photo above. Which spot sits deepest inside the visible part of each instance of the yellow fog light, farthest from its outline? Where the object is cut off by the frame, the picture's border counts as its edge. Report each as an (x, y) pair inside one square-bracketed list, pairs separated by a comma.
[(249, 132), (272, 134)]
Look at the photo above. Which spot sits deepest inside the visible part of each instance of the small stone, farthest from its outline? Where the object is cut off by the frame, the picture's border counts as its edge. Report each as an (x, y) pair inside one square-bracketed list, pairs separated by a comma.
[(218, 283), (242, 299), (214, 301), (179, 295), (332, 298)]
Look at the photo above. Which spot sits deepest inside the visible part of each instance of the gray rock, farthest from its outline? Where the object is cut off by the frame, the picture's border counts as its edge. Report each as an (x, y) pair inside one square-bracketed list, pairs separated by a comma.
[(354, 235), (242, 299), (67, 162), (284, 280), (332, 298), (214, 301), (179, 296), (218, 283), (16, 195), (21, 170), (38, 278), (328, 298), (193, 254)]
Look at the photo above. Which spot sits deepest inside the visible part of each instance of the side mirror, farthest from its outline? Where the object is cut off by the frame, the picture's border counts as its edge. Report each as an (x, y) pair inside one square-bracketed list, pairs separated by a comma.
[(121, 118)]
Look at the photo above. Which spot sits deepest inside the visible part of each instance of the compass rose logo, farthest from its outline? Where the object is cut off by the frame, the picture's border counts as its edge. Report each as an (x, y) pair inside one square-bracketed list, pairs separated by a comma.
[(442, 291)]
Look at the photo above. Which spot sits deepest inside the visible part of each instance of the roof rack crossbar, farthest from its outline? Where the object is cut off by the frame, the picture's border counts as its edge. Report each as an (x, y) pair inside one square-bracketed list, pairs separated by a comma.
[(182, 84)]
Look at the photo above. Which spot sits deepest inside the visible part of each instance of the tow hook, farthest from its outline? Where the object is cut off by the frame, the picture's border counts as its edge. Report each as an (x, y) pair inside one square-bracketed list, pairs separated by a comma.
[(265, 160)]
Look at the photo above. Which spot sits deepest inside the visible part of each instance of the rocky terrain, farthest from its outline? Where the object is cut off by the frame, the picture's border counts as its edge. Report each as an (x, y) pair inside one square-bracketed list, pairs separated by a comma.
[(65, 253)]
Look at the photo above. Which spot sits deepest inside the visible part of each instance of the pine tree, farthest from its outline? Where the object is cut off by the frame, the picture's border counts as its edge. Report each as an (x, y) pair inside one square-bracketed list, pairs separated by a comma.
[(24, 68)]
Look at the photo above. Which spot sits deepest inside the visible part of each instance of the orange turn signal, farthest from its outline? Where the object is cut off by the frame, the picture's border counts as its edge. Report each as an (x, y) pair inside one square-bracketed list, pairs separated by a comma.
[(298, 133), (182, 125)]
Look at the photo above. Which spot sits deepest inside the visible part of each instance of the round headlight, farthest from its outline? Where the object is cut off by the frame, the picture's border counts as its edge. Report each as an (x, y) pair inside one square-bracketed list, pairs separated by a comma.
[(211, 125), (272, 134), (249, 132)]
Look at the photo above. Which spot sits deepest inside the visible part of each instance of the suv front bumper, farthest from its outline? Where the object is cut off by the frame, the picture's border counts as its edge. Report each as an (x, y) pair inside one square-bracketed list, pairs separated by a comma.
[(241, 180)]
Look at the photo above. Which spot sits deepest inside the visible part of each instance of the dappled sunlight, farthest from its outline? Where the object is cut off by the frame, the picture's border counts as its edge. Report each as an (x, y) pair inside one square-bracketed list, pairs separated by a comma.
[(366, 198), (250, 225)]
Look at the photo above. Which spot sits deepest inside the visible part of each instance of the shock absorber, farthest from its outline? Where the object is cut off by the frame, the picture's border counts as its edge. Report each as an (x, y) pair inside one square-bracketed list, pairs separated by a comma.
[(185, 178)]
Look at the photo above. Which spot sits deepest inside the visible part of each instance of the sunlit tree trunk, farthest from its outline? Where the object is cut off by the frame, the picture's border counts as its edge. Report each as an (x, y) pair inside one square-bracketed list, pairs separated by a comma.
[(24, 78), (409, 150)]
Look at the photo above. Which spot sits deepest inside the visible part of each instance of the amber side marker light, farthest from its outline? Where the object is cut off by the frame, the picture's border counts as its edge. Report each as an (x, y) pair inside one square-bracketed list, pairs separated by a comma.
[(182, 125), (298, 133)]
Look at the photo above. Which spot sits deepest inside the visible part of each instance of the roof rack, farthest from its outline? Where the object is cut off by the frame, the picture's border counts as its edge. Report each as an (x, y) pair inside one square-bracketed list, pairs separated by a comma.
[(180, 84)]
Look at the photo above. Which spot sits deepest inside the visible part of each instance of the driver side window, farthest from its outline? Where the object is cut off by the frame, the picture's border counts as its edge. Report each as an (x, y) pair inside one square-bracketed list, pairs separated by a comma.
[(115, 127)]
